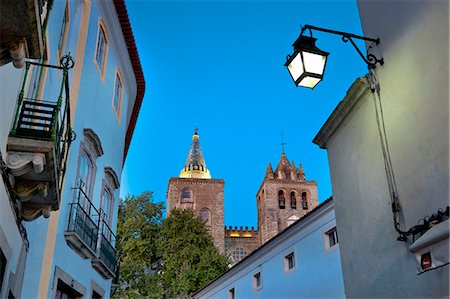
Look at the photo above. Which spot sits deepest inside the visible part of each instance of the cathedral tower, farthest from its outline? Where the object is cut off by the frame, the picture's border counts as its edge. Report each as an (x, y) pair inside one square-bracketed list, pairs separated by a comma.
[(195, 189), (283, 197)]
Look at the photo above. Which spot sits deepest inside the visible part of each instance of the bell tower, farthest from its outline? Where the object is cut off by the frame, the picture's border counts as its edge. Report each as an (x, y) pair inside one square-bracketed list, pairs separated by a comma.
[(195, 189), (283, 197)]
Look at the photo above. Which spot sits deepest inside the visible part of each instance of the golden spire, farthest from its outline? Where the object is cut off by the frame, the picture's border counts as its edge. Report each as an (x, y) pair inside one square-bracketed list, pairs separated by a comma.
[(195, 166)]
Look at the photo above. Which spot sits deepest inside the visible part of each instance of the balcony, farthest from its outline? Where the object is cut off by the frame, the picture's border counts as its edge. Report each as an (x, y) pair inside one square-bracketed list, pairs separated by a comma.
[(105, 261), (22, 28), (82, 230), (38, 143)]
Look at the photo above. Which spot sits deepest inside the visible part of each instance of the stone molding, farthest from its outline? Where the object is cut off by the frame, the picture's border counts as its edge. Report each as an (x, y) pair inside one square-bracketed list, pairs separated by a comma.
[(195, 181), (20, 163), (94, 140), (109, 172), (355, 96)]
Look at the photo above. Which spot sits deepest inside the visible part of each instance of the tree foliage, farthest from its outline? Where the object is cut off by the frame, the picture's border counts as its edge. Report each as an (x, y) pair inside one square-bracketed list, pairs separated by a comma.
[(190, 259), (138, 227), (163, 258)]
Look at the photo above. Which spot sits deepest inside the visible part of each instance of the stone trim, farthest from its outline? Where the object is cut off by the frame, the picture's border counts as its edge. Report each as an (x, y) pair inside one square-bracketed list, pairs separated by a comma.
[(97, 288), (355, 96), (60, 274), (197, 181), (94, 140), (109, 172)]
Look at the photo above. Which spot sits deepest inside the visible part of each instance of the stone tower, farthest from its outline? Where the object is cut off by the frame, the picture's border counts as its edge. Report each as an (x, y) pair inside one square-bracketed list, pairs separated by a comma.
[(195, 189), (283, 197)]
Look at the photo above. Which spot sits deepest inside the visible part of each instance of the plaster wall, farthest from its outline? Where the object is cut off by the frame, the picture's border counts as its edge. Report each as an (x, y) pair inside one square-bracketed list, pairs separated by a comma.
[(93, 109), (317, 274), (10, 239), (414, 93), (207, 193)]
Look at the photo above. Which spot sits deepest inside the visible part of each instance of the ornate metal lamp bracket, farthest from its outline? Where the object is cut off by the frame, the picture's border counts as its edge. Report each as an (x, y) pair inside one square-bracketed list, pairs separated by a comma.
[(370, 59)]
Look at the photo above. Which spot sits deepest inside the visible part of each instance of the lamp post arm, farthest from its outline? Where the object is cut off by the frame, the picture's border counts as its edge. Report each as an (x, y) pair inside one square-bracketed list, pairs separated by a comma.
[(370, 59), (341, 33)]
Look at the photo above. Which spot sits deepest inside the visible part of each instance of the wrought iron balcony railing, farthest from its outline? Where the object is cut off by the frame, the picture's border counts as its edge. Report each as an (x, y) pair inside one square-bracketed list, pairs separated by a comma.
[(106, 261), (40, 138), (82, 229)]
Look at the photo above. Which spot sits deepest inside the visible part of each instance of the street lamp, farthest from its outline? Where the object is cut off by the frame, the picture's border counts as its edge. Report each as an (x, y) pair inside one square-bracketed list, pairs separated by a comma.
[(307, 64)]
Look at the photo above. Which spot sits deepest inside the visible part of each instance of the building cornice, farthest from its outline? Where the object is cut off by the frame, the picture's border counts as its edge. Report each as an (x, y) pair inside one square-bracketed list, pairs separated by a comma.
[(122, 15), (343, 111)]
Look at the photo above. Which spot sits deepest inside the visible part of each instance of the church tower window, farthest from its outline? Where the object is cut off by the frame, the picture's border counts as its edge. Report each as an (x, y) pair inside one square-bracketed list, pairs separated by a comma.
[(304, 201), (293, 201), (186, 195), (281, 199), (238, 254), (205, 216)]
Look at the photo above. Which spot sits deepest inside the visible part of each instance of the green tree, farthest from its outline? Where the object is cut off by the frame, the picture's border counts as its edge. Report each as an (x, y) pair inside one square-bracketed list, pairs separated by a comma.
[(190, 260), (138, 227)]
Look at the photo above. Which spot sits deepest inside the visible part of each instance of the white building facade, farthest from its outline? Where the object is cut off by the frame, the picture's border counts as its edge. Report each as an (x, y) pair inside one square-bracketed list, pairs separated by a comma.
[(388, 149), (300, 262), (64, 135)]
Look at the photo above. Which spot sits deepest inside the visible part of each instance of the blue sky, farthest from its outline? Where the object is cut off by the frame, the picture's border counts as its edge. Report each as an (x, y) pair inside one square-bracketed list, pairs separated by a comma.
[(219, 66)]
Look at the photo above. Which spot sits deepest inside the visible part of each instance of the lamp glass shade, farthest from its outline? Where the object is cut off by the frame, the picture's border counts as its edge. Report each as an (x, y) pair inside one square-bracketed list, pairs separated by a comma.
[(307, 65), (309, 82), (295, 67), (314, 62)]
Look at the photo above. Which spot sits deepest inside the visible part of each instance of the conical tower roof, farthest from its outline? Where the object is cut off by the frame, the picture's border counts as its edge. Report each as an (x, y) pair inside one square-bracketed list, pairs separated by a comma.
[(195, 166)]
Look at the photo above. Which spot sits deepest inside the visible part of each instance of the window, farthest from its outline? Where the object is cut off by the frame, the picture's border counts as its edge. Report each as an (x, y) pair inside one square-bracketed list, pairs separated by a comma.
[(110, 184), (293, 201), (64, 291), (63, 34), (231, 294), (186, 195), (90, 149), (106, 206), (289, 262), (257, 283), (304, 201), (101, 51), (332, 237), (117, 98), (238, 254), (281, 200), (84, 179), (205, 216)]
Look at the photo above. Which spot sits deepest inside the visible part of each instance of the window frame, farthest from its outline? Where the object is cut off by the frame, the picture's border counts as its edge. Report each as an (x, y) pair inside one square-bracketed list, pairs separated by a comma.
[(208, 220), (235, 249), (232, 293), (327, 231), (191, 196), (290, 256), (117, 110), (257, 277), (307, 195), (294, 200), (282, 199), (101, 69), (84, 151)]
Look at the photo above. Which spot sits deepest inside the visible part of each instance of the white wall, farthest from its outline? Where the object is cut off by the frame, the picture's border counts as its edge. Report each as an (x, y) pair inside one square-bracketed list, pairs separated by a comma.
[(318, 270), (10, 238), (414, 93)]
